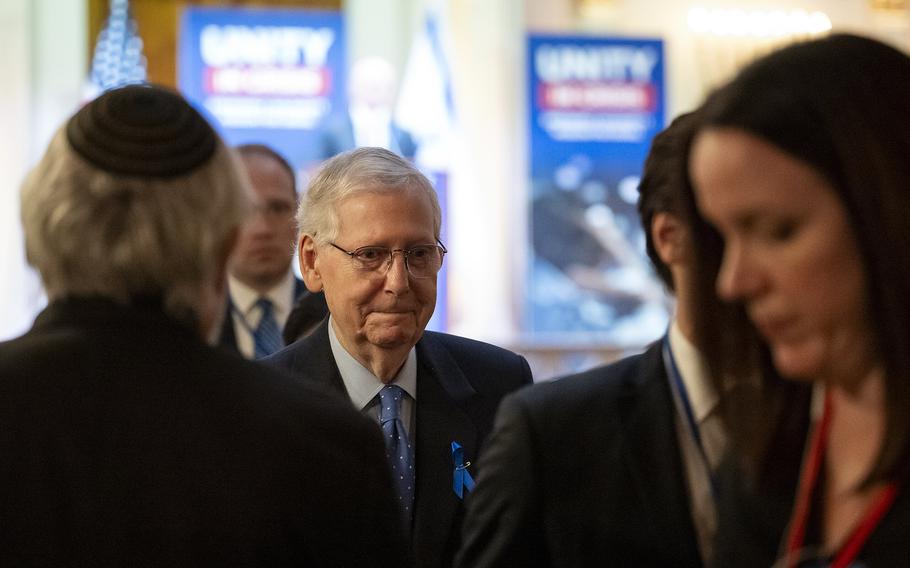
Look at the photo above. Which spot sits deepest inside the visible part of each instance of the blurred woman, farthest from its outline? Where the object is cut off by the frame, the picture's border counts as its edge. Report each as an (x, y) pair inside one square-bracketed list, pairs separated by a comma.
[(801, 170)]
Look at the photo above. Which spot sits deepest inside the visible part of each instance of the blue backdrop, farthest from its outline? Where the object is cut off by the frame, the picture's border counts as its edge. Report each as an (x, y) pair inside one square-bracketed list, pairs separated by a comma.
[(264, 75), (594, 105)]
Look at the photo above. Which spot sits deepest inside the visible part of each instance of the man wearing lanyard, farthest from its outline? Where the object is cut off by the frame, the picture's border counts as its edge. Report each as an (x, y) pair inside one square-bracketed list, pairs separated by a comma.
[(613, 466), (263, 290)]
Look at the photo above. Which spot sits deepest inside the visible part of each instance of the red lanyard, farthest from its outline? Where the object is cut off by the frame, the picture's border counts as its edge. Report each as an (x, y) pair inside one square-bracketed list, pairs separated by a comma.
[(808, 481)]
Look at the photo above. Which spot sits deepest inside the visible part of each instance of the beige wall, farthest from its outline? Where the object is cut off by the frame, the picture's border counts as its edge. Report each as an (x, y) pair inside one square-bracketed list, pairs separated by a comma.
[(42, 68)]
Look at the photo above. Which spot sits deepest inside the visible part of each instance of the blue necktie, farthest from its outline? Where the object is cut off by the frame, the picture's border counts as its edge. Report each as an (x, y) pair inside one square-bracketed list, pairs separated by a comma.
[(398, 447), (266, 336)]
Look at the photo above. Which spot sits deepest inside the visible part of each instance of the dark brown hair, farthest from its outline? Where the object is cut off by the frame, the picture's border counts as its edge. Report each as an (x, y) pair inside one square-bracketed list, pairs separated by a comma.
[(842, 105), (269, 152), (658, 191)]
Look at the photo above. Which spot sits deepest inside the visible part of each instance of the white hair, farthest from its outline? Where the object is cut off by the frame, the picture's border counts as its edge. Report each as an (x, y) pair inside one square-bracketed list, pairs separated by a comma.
[(92, 232), (364, 170)]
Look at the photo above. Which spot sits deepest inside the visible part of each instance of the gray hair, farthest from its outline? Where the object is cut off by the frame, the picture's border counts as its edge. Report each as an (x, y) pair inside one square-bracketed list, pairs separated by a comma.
[(92, 232), (364, 170)]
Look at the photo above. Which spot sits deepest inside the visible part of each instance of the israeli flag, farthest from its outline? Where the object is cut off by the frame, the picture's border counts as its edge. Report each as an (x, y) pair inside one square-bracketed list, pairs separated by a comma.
[(426, 106)]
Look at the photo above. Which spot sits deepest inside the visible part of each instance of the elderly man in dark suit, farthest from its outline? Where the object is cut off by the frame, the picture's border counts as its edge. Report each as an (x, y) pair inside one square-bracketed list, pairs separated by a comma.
[(615, 466), (369, 238), (125, 439)]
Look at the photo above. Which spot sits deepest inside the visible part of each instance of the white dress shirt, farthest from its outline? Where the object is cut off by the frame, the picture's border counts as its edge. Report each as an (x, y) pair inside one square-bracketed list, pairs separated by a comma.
[(703, 401), (246, 314), (372, 126), (363, 386)]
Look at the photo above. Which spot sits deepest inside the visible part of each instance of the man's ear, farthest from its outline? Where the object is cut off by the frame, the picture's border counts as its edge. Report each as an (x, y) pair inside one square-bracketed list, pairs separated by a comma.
[(309, 263), (669, 237)]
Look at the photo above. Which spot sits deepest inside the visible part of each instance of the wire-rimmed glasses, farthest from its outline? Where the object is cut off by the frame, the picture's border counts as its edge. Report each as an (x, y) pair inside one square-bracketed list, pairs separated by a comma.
[(421, 261)]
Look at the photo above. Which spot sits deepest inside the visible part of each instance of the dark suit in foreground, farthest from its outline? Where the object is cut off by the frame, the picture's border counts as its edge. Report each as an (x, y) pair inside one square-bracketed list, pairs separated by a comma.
[(460, 383), (126, 441), (584, 471)]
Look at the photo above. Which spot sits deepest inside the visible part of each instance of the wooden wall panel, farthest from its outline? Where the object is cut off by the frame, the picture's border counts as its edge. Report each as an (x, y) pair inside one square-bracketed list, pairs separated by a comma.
[(157, 21)]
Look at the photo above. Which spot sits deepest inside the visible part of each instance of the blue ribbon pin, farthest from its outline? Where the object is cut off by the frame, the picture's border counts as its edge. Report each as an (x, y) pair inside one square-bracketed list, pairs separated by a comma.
[(461, 477)]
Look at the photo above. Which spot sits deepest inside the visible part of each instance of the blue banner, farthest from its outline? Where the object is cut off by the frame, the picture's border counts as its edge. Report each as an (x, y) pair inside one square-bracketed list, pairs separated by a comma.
[(594, 105), (264, 75)]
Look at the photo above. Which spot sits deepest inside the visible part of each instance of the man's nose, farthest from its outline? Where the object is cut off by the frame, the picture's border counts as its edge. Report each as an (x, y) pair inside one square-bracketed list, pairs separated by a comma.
[(738, 277), (397, 278)]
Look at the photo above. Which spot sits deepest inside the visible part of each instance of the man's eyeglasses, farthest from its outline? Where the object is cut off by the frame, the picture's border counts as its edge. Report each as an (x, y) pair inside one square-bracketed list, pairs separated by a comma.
[(421, 261)]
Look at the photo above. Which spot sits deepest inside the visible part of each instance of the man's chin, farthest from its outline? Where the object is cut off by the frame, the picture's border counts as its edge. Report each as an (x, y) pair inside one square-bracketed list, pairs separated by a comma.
[(393, 337)]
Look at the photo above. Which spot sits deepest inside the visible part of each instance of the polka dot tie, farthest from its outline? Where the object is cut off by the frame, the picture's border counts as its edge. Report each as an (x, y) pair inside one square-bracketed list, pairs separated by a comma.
[(398, 447)]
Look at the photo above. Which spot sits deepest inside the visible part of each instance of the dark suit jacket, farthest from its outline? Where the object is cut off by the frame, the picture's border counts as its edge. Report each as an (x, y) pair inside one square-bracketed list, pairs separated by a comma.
[(459, 385), (308, 310), (126, 441), (584, 471), (337, 136)]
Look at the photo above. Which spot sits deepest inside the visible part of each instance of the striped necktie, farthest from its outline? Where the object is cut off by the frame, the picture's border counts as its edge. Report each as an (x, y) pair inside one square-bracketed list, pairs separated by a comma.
[(266, 336)]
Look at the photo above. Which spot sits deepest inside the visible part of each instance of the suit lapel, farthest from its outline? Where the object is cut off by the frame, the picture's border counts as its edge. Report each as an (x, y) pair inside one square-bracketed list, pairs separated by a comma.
[(227, 337), (443, 398), (313, 360), (653, 455)]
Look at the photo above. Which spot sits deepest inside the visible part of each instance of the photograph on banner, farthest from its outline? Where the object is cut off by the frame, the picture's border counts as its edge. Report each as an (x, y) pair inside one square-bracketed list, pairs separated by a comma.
[(270, 76), (594, 106)]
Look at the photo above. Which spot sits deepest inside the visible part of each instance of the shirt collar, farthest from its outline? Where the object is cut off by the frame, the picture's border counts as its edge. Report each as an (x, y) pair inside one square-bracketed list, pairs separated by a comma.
[(361, 384), (694, 373), (281, 295)]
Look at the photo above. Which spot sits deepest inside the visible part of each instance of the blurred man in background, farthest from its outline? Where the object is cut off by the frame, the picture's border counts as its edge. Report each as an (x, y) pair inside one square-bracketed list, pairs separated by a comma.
[(614, 466), (263, 291)]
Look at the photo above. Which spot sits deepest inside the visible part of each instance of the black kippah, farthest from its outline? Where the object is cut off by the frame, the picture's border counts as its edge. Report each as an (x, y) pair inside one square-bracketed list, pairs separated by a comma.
[(141, 130)]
